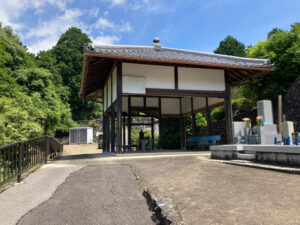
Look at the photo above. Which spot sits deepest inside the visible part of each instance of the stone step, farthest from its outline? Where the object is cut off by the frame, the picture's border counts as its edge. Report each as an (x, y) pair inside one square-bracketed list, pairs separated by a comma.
[(246, 156)]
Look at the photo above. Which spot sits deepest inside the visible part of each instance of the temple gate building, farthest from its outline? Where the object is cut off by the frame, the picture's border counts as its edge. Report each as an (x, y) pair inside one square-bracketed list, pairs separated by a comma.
[(161, 82)]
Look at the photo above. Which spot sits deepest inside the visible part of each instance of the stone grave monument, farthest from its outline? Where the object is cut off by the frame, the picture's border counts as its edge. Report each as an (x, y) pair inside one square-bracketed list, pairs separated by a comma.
[(238, 128), (288, 129), (266, 134)]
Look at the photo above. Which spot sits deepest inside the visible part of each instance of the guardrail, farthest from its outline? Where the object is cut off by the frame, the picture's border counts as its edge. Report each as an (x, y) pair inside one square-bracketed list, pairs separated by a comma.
[(19, 157)]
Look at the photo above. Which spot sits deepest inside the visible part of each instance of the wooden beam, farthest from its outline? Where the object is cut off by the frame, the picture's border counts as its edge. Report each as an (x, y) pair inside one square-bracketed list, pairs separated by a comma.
[(152, 131), (113, 129), (193, 118), (143, 109), (208, 118), (160, 124), (182, 129), (176, 77), (183, 93), (108, 136), (124, 131), (129, 123), (148, 96), (145, 103), (119, 107), (104, 130), (228, 110)]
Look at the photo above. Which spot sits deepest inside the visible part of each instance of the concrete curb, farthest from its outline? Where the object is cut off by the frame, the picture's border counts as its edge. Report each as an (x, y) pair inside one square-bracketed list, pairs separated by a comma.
[(282, 169)]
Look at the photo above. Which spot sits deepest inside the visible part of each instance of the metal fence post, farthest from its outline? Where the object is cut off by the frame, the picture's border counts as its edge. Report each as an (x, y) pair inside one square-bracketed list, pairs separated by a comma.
[(47, 149), (20, 164)]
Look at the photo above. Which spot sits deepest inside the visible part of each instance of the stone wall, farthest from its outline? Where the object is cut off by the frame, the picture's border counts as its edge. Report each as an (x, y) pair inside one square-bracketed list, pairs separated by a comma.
[(291, 104)]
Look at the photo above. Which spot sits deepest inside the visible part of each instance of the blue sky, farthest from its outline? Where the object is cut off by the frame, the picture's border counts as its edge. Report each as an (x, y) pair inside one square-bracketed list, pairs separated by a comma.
[(186, 24)]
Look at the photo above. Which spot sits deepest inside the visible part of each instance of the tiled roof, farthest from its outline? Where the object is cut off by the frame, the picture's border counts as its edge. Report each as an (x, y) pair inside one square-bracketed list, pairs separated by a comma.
[(161, 53)]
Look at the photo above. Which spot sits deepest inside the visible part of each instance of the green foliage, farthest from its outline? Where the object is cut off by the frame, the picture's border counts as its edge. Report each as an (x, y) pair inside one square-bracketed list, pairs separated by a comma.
[(31, 101), (170, 133), (66, 59), (283, 48), (239, 105), (147, 135), (100, 144), (231, 46)]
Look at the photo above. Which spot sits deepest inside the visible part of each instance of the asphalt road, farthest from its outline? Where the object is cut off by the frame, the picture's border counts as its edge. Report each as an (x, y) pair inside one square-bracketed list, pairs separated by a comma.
[(89, 189), (102, 194)]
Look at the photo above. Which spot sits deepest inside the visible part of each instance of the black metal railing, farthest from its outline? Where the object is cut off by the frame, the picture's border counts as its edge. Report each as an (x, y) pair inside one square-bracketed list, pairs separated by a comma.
[(19, 157)]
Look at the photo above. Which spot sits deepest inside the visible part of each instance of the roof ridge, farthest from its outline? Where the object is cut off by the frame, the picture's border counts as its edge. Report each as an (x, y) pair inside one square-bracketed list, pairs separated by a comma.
[(183, 50)]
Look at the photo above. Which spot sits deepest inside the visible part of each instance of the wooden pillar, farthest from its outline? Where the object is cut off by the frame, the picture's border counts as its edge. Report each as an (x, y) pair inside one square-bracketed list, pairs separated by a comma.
[(182, 128), (176, 77), (193, 118), (108, 136), (119, 107), (124, 133), (208, 118), (228, 110), (129, 123), (279, 114), (159, 124), (152, 131), (113, 129), (104, 129)]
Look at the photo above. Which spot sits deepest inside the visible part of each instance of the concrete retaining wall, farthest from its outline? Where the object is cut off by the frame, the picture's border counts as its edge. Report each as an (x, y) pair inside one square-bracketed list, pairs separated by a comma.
[(266, 153)]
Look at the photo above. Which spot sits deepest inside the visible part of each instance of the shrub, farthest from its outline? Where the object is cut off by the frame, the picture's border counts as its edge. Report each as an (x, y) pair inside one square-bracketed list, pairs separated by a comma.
[(100, 144)]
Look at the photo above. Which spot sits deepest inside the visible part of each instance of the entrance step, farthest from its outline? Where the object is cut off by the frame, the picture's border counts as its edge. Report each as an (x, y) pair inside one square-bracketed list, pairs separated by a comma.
[(246, 156)]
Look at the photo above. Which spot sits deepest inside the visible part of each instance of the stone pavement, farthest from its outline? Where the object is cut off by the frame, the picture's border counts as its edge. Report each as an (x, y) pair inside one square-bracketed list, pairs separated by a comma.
[(188, 189)]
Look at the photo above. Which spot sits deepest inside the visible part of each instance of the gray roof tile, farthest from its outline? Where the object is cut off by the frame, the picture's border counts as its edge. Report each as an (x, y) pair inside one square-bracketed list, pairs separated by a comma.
[(162, 53)]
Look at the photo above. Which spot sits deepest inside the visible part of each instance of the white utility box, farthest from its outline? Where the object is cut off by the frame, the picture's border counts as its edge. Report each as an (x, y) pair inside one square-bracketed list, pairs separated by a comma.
[(80, 135)]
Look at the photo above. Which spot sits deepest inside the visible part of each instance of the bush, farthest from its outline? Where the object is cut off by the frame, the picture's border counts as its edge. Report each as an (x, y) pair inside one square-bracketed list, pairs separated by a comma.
[(239, 105), (147, 135), (100, 144), (170, 133)]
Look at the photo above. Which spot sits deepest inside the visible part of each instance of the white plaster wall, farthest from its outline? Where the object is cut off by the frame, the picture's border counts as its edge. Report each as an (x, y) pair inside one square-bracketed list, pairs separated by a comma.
[(152, 102), (137, 101), (201, 79), (212, 101), (199, 103), (186, 104), (134, 84), (114, 84), (155, 76), (170, 106)]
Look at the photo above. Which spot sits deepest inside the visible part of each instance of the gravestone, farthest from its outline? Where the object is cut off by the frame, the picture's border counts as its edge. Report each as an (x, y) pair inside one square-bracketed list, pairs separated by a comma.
[(264, 109), (287, 129), (238, 131), (268, 132)]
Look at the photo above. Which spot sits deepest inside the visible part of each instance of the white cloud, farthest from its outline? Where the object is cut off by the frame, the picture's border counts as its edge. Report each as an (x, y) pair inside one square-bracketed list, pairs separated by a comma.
[(48, 32), (11, 10), (103, 23), (115, 2), (94, 12), (106, 40)]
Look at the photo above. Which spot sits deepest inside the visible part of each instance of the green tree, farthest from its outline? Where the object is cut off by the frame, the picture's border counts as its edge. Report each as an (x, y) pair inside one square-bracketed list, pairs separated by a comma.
[(31, 101), (231, 46), (283, 48), (68, 53)]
